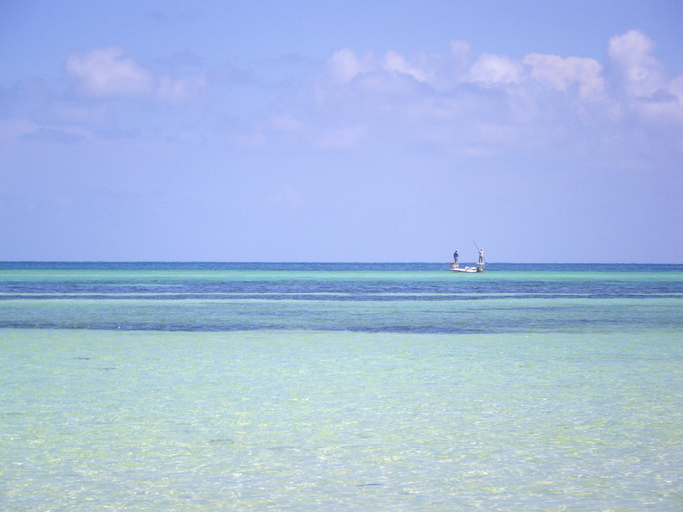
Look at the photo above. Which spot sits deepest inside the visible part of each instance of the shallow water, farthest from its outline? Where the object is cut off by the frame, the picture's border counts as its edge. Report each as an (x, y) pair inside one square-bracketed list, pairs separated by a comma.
[(360, 389)]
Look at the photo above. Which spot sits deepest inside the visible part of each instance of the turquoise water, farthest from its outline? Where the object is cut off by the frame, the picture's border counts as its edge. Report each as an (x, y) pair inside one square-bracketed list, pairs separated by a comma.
[(340, 387)]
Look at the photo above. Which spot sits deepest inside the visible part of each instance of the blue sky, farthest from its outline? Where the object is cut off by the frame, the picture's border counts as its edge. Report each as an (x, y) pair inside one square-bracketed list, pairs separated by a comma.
[(341, 131)]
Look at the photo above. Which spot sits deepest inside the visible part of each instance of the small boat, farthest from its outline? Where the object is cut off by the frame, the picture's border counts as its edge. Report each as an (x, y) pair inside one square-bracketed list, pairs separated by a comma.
[(469, 270)]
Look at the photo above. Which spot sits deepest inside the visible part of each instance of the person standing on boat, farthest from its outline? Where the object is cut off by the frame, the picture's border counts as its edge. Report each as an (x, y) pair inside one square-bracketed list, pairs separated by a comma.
[(481, 256), (455, 257)]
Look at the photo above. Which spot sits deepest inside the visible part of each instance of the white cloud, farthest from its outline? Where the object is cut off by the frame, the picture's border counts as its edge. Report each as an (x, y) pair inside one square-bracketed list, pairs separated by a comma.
[(344, 65), (462, 100), (631, 53), (487, 102), (102, 72), (665, 105), (495, 69), (559, 73), (435, 70), (438, 100), (397, 63), (649, 92)]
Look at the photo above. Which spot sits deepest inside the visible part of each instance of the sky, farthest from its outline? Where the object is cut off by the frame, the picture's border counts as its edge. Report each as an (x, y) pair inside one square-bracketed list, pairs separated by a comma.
[(355, 131)]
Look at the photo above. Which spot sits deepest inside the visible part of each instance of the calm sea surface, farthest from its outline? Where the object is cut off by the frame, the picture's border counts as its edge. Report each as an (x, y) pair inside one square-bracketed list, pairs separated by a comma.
[(335, 387)]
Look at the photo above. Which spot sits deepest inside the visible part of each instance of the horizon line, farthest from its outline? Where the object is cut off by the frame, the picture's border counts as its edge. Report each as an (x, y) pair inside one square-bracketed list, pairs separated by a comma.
[(335, 262)]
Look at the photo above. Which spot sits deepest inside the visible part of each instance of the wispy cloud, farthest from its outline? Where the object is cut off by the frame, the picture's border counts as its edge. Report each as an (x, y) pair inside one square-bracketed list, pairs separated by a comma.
[(105, 72), (491, 70), (344, 65), (455, 100), (641, 74), (642, 79), (489, 100), (560, 74)]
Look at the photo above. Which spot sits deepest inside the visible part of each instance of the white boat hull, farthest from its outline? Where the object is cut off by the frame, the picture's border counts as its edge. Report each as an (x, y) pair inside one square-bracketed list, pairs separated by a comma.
[(467, 270)]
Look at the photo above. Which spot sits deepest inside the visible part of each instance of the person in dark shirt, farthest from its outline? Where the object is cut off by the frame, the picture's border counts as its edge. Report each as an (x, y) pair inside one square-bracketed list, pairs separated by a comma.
[(455, 257)]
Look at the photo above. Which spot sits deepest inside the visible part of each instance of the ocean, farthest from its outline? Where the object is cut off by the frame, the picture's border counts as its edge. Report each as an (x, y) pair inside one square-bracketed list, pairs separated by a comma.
[(340, 387)]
